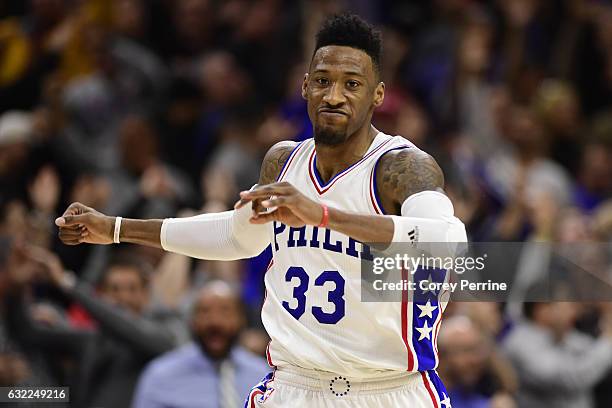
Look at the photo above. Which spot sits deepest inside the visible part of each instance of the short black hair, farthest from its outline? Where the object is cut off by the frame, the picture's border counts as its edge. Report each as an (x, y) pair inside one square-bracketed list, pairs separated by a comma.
[(352, 31)]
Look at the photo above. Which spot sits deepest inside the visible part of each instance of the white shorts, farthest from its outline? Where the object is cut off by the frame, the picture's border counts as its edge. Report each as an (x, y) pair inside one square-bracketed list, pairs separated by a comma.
[(299, 388)]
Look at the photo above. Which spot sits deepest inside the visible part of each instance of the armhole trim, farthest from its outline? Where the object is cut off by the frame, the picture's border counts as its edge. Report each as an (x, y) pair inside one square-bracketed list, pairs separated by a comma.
[(374, 195), (286, 165)]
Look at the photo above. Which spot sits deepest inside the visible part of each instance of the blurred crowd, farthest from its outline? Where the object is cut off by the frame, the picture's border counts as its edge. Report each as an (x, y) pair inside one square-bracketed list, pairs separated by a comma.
[(162, 108)]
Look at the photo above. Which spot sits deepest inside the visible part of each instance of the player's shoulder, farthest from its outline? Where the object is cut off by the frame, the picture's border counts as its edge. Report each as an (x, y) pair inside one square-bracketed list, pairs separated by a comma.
[(275, 159), (404, 156), (404, 169), (282, 147)]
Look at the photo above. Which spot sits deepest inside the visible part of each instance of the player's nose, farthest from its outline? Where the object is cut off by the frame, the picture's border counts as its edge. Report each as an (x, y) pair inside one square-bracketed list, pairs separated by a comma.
[(334, 96)]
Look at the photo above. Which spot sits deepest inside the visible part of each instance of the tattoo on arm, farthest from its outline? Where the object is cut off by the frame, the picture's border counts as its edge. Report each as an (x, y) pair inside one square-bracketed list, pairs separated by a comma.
[(403, 173), (274, 161)]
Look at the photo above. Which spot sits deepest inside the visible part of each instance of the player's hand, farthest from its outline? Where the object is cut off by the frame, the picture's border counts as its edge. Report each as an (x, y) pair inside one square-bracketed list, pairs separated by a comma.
[(256, 206), (82, 224), (285, 204)]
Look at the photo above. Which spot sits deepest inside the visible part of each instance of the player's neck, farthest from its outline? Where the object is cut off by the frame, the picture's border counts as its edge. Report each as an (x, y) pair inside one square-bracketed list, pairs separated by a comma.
[(333, 159)]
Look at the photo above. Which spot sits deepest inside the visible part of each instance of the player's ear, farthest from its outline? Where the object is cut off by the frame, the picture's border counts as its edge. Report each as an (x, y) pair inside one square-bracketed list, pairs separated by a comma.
[(305, 86), (379, 94)]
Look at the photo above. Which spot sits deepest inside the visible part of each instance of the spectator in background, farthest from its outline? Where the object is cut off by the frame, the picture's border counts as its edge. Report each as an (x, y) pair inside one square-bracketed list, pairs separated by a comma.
[(178, 127), (18, 365), (556, 104), (594, 183), (239, 153), (486, 316), (125, 78), (108, 359), (190, 32), (146, 185), (476, 376), (226, 86), (591, 62), (212, 371), (528, 161), (130, 19), (15, 138), (28, 52), (14, 370), (468, 101), (557, 365)]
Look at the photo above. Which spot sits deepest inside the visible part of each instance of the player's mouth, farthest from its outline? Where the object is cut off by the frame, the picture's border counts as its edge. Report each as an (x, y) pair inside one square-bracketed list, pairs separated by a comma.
[(332, 112)]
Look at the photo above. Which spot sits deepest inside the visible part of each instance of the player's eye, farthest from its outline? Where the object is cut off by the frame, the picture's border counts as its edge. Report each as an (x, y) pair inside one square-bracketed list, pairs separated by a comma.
[(352, 84), (322, 81)]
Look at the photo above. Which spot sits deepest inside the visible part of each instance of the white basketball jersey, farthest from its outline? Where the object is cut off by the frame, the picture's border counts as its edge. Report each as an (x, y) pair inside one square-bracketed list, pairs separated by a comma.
[(313, 310)]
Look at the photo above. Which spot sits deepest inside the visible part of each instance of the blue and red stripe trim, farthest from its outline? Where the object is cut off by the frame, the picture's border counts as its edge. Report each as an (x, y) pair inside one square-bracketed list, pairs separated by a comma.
[(404, 316), (374, 197), (428, 386), (259, 389), (285, 167), (268, 356), (324, 187), (440, 395)]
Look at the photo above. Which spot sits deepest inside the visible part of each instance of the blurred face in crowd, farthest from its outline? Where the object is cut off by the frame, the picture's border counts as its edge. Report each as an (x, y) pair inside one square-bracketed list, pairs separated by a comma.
[(125, 287), (595, 168), (138, 143), (217, 319), (222, 80), (13, 369), (47, 12), (192, 22), (485, 315), (129, 17), (13, 157), (463, 351), (526, 132), (559, 317), (342, 89), (573, 226), (474, 49)]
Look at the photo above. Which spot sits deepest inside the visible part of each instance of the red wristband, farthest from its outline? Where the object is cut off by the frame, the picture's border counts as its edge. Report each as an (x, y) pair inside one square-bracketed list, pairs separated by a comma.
[(325, 219)]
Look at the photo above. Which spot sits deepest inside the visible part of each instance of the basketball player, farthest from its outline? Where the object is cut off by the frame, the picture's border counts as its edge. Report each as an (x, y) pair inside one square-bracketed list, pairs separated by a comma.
[(315, 203)]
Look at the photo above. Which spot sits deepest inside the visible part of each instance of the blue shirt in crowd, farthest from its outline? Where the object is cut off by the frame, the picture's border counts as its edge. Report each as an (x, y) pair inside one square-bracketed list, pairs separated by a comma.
[(467, 399), (187, 378)]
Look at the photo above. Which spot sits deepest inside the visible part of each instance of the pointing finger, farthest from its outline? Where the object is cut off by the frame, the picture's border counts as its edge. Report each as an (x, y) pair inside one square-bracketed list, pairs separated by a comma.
[(241, 203), (263, 193)]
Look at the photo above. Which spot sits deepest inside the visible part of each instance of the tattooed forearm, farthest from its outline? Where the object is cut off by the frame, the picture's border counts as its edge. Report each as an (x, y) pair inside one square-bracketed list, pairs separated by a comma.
[(274, 161), (403, 173)]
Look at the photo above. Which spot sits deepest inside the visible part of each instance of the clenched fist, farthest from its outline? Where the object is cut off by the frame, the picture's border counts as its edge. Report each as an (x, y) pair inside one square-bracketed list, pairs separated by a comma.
[(82, 224)]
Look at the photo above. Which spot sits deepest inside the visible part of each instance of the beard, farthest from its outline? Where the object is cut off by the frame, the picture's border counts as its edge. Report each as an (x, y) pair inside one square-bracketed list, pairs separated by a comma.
[(219, 354), (326, 135)]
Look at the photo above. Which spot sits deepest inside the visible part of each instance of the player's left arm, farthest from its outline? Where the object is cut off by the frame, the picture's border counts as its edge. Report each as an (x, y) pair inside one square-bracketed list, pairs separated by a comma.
[(410, 184)]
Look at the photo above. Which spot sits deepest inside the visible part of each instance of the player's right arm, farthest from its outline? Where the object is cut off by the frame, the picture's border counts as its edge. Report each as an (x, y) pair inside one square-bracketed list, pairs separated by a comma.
[(225, 236)]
